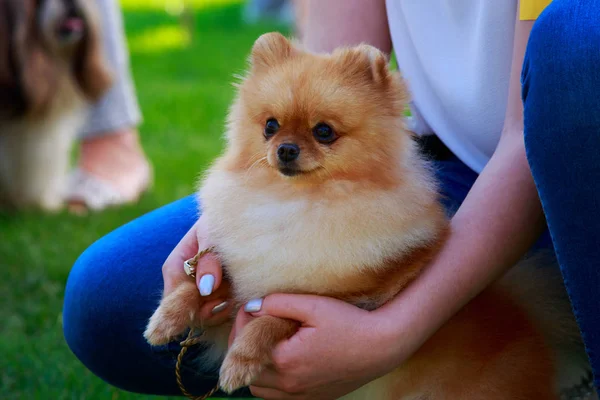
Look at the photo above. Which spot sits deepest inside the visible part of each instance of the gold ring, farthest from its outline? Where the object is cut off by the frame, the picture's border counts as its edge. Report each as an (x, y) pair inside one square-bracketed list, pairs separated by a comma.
[(189, 266), (189, 269)]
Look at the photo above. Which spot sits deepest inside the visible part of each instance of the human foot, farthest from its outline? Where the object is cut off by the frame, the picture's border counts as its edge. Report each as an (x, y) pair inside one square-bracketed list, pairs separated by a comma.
[(112, 170)]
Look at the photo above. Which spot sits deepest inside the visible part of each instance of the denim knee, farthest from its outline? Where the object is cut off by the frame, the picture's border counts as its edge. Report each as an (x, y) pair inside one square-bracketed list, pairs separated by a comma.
[(112, 291), (89, 323), (566, 34), (103, 318), (78, 318), (560, 74)]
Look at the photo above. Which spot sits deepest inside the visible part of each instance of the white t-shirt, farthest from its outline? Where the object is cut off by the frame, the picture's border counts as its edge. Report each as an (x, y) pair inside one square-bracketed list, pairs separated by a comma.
[(456, 56)]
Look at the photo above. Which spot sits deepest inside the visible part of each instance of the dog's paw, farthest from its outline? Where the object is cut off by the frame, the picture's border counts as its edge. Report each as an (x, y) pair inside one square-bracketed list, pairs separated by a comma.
[(174, 315), (238, 371), (160, 331)]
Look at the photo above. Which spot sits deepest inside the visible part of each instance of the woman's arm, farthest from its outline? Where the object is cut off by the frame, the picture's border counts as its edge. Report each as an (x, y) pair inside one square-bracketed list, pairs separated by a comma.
[(333, 23), (500, 219)]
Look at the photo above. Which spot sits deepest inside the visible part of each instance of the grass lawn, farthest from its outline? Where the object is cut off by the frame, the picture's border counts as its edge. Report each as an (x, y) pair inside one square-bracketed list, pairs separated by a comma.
[(183, 84)]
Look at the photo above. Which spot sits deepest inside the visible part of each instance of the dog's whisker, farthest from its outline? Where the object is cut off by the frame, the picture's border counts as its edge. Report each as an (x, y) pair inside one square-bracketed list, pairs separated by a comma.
[(254, 158), (326, 170), (255, 163)]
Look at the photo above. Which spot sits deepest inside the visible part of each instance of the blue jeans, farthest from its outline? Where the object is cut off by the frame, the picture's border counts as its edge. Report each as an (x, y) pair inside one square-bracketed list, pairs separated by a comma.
[(561, 98), (116, 284)]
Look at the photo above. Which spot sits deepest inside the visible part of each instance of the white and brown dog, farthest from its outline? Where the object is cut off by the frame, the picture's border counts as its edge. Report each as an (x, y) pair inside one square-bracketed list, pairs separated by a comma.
[(51, 68)]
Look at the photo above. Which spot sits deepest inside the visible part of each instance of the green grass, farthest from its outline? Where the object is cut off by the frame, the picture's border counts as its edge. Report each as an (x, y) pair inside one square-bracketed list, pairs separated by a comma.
[(183, 83)]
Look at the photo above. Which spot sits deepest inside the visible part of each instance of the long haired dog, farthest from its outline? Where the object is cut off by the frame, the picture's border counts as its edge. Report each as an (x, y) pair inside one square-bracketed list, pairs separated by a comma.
[(321, 190), (51, 67)]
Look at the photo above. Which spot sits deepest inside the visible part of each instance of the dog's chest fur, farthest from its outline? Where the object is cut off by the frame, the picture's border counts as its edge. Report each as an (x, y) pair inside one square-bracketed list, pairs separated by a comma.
[(34, 151), (271, 244)]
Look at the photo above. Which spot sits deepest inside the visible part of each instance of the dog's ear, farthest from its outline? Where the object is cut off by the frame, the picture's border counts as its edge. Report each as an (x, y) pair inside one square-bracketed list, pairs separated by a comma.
[(378, 62), (90, 69), (27, 73), (12, 98), (269, 50), (364, 62)]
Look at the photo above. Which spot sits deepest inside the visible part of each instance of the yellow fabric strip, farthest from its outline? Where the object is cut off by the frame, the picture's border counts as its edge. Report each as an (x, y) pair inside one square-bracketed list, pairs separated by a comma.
[(531, 9)]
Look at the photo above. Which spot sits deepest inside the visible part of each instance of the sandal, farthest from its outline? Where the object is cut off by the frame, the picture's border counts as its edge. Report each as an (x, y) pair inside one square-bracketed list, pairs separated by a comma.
[(87, 192)]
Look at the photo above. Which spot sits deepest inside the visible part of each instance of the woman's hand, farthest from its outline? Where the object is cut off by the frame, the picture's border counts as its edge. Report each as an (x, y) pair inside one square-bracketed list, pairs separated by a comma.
[(209, 277), (337, 349)]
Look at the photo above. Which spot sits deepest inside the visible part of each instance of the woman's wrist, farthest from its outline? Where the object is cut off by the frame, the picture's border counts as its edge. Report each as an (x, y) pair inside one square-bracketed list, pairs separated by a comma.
[(396, 333)]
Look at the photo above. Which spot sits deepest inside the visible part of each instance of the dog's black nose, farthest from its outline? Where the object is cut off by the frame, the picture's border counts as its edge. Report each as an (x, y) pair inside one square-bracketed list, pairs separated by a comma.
[(288, 152)]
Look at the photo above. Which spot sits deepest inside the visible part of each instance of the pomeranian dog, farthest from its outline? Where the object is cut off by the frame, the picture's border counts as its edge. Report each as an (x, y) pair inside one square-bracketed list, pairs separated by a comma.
[(51, 68), (321, 190)]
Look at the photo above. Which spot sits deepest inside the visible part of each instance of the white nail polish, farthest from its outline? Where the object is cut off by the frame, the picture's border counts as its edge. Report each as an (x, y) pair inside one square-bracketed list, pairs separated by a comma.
[(220, 307), (207, 284), (253, 305)]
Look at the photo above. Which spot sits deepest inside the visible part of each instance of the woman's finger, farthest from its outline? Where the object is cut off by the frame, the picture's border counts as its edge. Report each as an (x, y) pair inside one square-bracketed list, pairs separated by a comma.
[(208, 274), (216, 312), (173, 272), (242, 318), (271, 394), (208, 269), (268, 379)]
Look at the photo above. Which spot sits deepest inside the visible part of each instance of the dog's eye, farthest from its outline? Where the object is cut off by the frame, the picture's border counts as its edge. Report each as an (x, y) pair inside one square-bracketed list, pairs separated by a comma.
[(271, 127), (324, 133)]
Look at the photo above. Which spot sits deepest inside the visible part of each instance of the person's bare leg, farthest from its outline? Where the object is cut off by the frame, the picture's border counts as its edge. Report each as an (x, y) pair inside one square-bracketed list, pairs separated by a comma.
[(110, 147), (116, 157)]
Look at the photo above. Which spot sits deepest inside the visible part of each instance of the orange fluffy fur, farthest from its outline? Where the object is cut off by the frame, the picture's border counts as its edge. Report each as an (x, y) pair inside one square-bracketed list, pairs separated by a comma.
[(358, 222)]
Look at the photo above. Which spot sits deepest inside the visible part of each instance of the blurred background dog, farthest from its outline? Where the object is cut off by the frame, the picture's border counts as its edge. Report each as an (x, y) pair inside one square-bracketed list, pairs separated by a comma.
[(51, 68)]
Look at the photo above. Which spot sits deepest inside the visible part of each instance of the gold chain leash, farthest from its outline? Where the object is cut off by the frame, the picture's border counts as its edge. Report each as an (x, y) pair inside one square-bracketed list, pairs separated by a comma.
[(190, 269), (188, 342)]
